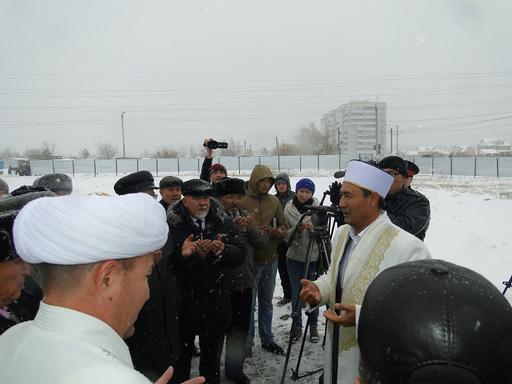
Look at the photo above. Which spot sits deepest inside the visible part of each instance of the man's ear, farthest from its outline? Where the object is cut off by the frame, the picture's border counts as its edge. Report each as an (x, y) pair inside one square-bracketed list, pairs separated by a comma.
[(106, 274), (374, 200)]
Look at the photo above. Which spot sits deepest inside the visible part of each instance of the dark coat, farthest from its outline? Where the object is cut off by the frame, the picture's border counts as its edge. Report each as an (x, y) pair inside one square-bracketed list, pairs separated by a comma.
[(24, 308), (409, 210), (156, 343), (205, 169), (204, 298)]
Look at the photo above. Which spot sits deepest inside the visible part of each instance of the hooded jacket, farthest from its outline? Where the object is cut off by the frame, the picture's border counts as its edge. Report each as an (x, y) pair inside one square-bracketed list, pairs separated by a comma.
[(264, 207), (285, 197)]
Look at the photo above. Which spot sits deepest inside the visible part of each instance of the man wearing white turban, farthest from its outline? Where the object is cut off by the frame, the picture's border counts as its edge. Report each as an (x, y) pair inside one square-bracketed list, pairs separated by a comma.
[(94, 254), (366, 245)]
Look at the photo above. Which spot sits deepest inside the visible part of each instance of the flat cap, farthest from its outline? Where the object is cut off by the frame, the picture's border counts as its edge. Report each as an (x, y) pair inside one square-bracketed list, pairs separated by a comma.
[(430, 321), (170, 181), (135, 182), (394, 162), (196, 187)]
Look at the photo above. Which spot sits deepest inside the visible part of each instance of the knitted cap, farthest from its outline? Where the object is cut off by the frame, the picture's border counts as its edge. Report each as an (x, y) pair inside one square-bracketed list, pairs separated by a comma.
[(306, 184)]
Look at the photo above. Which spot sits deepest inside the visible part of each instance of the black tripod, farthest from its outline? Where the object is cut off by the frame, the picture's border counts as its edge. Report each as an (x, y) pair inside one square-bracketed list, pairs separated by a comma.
[(322, 237)]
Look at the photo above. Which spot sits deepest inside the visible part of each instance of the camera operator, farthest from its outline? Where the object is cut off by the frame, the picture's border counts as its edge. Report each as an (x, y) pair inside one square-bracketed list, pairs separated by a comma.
[(299, 236), (212, 172)]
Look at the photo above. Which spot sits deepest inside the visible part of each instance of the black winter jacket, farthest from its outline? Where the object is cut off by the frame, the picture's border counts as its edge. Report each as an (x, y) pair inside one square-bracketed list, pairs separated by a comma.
[(200, 280), (156, 343), (409, 210)]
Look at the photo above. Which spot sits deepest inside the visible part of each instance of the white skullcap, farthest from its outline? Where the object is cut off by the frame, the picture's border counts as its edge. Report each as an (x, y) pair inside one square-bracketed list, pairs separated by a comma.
[(369, 177), (69, 230)]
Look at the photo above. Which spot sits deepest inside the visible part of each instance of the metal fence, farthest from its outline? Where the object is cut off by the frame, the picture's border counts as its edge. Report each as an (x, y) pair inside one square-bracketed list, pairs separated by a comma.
[(467, 166)]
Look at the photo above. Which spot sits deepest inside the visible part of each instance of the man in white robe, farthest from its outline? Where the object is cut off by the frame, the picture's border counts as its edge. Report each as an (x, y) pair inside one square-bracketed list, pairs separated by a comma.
[(95, 255), (366, 245)]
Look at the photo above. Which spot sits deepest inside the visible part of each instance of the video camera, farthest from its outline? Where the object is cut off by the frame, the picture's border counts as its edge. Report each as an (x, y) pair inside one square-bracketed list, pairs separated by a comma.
[(213, 144)]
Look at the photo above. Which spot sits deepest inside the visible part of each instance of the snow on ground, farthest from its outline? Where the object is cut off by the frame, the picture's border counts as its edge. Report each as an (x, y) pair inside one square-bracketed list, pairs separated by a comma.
[(470, 225)]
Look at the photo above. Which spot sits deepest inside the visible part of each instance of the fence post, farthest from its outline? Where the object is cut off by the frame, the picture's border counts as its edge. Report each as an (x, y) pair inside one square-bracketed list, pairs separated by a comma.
[(474, 168), (339, 160), (156, 166), (239, 165), (497, 167), (178, 163), (259, 160), (278, 163), (318, 161), (116, 165), (451, 166), (198, 166), (53, 165), (137, 164), (94, 166), (300, 163), (73, 167), (432, 166)]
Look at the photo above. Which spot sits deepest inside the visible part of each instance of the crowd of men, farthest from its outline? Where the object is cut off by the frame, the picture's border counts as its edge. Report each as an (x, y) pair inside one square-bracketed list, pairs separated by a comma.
[(125, 286)]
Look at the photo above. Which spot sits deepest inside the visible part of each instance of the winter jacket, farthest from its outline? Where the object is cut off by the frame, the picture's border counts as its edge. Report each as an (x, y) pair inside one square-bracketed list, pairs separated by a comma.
[(298, 241), (409, 210), (286, 196), (244, 276), (264, 207), (204, 297), (156, 342)]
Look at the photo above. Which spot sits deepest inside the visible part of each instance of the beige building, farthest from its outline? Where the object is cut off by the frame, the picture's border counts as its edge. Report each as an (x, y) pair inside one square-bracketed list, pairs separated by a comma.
[(361, 126)]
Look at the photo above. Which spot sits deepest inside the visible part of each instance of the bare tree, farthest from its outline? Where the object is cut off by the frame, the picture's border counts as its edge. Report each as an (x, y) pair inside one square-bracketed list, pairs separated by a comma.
[(310, 140), (9, 153), (165, 153), (84, 153), (234, 148), (46, 152), (286, 149), (106, 151)]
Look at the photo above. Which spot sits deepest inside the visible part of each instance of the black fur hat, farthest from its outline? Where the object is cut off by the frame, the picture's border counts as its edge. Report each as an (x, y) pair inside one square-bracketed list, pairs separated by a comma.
[(229, 186), (59, 183)]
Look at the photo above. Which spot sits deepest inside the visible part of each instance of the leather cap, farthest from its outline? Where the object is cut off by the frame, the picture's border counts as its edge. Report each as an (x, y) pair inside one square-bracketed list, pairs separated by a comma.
[(229, 186), (394, 162), (412, 169), (430, 321), (134, 183), (196, 187)]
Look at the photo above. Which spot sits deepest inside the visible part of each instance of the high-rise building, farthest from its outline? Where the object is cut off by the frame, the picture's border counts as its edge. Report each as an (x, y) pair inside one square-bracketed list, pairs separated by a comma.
[(361, 126)]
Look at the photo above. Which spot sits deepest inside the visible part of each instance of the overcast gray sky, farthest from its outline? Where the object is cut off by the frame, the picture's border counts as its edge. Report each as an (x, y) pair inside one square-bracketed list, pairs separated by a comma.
[(249, 70)]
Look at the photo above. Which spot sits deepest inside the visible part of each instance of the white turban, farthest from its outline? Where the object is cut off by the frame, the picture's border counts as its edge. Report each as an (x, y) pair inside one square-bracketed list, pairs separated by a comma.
[(368, 177), (72, 229)]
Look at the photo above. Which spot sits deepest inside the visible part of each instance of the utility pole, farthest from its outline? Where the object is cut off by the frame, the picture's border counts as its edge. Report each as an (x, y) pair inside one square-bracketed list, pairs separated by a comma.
[(122, 133), (277, 151), (397, 139), (391, 141)]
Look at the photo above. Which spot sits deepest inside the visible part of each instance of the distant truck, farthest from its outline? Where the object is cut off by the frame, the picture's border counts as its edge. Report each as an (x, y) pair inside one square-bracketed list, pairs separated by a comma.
[(20, 167)]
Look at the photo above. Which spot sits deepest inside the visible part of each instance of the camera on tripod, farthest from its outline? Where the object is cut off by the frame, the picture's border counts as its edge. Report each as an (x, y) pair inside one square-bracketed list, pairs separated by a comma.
[(213, 144), (320, 215)]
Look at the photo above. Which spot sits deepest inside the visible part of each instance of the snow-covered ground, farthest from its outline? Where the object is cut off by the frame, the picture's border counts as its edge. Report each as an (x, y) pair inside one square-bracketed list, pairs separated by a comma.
[(470, 225)]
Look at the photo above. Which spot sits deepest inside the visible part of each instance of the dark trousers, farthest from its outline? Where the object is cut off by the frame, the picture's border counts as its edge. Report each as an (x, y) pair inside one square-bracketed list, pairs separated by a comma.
[(210, 344), (236, 334), (282, 248)]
